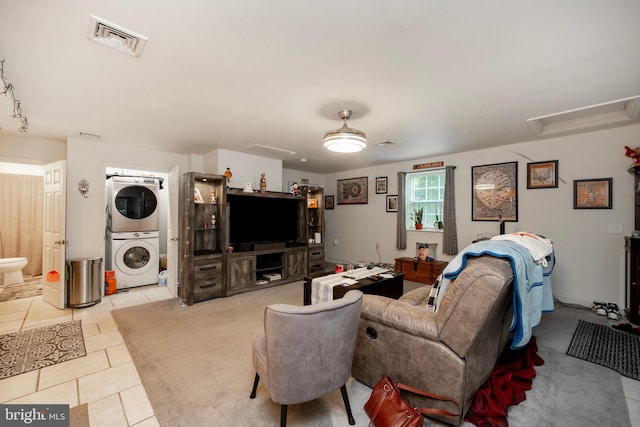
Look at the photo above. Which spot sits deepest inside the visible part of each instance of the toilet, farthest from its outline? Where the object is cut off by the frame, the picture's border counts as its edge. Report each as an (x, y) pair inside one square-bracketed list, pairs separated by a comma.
[(11, 270)]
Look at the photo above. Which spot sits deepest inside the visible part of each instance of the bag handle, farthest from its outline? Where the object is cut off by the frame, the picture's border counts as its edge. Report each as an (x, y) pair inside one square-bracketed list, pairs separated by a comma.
[(432, 411), (386, 388)]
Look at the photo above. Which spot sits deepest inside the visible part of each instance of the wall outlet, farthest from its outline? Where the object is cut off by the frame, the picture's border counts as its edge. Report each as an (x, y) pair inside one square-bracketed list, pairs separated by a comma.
[(614, 228)]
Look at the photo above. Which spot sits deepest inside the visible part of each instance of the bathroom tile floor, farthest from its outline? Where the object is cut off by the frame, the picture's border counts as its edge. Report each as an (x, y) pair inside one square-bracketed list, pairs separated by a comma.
[(106, 379)]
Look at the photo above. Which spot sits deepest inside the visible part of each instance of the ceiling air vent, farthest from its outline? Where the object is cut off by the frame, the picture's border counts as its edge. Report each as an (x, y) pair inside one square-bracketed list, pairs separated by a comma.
[(115, 36)]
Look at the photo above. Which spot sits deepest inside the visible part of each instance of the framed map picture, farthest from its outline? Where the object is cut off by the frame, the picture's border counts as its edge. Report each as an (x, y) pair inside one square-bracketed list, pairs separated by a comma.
[(592, 193), (494, 192)]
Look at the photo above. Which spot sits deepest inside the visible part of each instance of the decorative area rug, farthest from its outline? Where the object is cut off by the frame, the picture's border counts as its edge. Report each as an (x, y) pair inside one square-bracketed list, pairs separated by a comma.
[(37, 348), (605, 346), (30, 288)]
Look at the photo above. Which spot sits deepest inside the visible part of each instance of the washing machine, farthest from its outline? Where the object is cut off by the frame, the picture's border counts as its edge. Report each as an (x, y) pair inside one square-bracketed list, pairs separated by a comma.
[(133, 204), (135, 258)]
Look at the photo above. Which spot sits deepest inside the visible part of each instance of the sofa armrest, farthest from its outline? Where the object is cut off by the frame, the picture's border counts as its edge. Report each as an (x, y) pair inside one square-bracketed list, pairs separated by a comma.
[(403, 314)]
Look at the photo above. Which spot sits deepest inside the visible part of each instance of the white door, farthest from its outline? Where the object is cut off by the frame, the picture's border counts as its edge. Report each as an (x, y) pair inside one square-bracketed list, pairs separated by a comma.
[(173, 227), (53, 251)]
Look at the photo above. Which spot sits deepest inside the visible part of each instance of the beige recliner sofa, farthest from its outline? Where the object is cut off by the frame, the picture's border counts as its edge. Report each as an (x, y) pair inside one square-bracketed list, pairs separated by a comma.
[(450, 352)]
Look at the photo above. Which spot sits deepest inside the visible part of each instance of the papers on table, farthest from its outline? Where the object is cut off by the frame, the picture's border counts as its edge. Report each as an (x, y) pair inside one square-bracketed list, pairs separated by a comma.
[(322, 287)]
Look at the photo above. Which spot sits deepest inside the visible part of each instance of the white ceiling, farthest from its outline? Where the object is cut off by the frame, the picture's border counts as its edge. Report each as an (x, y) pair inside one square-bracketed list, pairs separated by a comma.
[(432, 76)]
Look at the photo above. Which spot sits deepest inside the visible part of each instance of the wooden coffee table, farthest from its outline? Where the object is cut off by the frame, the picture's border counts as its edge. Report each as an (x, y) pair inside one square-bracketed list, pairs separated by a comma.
[(390, 287)]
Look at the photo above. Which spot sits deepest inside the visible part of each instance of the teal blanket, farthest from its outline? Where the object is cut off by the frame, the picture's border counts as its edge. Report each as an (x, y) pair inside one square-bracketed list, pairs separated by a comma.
[(532, 293)]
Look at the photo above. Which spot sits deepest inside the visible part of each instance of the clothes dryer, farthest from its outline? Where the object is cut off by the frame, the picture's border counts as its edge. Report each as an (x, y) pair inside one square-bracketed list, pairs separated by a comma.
[(135, 258), (133, 204)]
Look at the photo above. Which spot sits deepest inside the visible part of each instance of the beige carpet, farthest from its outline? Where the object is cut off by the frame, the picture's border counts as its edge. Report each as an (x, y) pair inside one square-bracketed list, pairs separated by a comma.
[(195, 364)]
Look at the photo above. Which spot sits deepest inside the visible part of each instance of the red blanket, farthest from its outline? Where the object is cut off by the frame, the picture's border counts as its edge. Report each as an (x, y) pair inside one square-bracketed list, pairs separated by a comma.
[(511, 377)]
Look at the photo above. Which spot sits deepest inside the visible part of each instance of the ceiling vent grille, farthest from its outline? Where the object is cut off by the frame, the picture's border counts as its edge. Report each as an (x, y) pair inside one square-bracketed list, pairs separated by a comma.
[(117, 37)]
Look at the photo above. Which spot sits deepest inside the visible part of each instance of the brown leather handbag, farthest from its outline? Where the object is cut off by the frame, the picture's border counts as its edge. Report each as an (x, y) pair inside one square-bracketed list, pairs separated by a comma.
[(386, 408)]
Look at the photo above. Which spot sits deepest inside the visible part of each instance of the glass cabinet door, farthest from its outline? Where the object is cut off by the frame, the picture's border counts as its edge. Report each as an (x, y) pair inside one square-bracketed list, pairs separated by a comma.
[(206, 217)]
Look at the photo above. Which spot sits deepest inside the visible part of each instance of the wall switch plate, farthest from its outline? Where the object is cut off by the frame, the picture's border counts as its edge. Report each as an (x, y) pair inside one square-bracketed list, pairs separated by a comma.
[(614, 228)]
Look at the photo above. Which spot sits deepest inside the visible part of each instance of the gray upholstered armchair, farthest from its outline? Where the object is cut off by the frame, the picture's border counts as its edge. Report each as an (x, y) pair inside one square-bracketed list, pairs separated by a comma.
[(307, 351)]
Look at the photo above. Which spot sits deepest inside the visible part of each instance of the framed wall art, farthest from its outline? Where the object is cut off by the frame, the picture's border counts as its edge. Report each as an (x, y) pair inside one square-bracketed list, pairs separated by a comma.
[(392, 203), (328, 202), (592, 193), (381, 185), (494, 192), (542, 174), (353, 191)]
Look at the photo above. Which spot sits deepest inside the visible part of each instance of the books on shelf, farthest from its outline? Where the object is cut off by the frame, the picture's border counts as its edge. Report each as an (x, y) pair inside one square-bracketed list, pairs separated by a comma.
[(272, 276)]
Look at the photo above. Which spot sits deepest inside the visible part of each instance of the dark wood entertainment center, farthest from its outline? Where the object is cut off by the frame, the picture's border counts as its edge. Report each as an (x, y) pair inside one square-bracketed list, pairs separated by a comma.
[(214, 265)]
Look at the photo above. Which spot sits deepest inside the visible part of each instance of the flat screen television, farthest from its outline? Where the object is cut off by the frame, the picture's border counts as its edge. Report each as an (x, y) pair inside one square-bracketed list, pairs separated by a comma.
[(255, 219)]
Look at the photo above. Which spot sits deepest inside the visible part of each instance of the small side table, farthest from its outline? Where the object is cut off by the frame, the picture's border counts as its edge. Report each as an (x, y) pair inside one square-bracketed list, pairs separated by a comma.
[(420, 271)]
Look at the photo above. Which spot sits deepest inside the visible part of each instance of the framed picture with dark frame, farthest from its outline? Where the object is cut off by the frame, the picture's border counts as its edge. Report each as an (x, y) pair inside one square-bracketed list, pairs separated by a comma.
[(392, 203), (328, 202), (381, 185), (353, 191), (593, 193), (542, 174), (494, 192)]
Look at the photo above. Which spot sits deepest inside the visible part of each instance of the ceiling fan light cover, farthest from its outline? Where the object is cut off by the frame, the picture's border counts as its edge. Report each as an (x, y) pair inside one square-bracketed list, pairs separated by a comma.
[(345, 139)]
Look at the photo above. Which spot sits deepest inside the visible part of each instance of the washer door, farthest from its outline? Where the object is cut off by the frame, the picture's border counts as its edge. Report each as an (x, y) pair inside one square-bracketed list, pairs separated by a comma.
[(135, 257)]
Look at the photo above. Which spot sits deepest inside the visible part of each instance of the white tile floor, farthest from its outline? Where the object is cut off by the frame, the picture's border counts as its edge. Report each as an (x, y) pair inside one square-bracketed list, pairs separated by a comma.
[(106, 379)]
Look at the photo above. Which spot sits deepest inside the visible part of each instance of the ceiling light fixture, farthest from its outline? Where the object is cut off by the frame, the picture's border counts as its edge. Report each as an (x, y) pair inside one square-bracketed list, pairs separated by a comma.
[(345, 139)]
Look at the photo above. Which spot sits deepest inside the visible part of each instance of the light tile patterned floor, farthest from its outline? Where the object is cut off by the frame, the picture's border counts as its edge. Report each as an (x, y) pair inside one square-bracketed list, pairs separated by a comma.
[(106, 379)]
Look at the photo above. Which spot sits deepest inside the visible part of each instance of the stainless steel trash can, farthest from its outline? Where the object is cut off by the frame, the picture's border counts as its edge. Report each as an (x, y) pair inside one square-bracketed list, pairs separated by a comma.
[(83, 282)]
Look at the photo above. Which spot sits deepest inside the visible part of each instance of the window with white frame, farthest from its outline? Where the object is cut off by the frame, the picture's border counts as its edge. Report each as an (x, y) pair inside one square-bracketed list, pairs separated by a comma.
[(426, 190)]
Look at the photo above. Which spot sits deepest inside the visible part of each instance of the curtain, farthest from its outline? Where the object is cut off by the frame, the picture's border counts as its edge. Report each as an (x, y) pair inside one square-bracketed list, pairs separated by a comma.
[(21, 223), (401, 231), (450, 231)]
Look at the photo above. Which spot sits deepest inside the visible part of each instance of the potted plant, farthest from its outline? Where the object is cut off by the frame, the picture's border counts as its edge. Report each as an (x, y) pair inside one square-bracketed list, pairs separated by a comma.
[(438, 224), (416, 217)]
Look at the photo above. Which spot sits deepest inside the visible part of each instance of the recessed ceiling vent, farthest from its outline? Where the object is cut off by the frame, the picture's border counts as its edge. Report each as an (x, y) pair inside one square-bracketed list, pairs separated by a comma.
[(115, 36), (600, 116)]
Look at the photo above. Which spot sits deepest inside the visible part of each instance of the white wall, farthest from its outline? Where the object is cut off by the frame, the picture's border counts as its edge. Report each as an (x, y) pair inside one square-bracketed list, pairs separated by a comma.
[(245, 168), (290, 175), (590, 261), (26, 149)]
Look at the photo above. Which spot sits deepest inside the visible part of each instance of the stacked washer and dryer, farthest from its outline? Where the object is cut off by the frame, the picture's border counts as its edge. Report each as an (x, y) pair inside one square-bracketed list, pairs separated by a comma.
[(133, 242)]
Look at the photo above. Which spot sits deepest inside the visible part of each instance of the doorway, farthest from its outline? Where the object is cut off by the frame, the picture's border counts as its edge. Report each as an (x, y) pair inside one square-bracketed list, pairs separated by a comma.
[(130, 195), (21, 225)]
